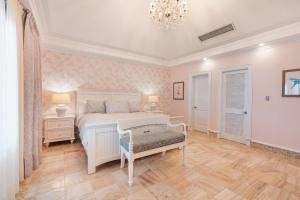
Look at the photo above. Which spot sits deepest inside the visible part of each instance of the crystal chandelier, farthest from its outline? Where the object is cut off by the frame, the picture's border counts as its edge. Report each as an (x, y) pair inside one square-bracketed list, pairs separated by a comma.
[(168, 12)]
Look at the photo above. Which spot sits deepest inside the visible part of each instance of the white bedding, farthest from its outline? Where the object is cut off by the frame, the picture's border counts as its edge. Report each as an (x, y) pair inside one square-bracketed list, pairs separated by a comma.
[(97, 119)]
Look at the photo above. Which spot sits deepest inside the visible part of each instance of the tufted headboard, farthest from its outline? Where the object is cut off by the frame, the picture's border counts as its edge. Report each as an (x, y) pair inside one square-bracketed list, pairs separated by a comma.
[(83, 95)]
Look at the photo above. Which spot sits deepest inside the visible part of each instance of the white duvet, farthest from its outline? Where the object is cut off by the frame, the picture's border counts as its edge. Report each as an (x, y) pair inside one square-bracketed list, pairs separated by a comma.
[(97, 119)]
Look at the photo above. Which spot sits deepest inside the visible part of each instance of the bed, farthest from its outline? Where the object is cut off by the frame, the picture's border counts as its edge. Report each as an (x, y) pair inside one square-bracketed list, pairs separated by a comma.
[(98, 132)]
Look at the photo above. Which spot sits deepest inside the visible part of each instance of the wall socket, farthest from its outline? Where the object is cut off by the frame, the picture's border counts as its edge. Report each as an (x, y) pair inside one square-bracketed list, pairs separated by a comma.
[(268, 98)]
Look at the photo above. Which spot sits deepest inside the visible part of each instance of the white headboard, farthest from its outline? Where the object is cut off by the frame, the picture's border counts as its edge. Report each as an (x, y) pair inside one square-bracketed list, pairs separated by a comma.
[(84, 95)]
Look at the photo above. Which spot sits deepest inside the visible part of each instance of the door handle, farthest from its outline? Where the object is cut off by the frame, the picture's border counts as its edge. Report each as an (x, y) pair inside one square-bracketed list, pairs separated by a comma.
[(245, 112), (195, 107)]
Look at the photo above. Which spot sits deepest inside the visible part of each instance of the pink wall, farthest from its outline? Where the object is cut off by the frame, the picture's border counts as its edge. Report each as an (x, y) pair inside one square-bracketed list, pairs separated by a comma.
[(64, 72), (276, 122)]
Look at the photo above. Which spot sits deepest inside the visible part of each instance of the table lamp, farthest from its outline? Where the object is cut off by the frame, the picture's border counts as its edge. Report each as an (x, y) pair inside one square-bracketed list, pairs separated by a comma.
[(153, 100), (61, 99)]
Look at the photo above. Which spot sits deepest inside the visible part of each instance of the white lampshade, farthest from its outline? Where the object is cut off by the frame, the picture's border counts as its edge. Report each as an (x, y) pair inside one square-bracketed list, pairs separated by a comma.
[(61, 98), (154, 99)]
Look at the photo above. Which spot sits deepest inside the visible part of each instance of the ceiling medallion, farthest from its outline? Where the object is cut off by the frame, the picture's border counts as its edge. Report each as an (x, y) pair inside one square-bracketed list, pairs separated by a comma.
[(168, 12)]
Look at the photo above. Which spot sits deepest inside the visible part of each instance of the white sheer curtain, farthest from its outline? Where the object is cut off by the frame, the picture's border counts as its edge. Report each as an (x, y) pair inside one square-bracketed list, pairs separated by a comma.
[(9, 99)]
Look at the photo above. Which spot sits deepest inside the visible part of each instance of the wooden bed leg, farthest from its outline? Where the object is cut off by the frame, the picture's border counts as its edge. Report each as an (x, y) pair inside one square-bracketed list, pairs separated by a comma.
[(122, 159), (92, 152), (91, 169), (130, 171)]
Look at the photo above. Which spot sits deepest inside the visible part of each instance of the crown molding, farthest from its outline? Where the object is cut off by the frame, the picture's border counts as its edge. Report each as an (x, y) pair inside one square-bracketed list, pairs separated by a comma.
[(39, 14), (54, 42), (66, 45), (265, 37)]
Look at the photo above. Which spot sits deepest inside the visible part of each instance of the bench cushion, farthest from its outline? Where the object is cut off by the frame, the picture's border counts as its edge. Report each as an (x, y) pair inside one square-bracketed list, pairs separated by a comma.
[(152, 141)]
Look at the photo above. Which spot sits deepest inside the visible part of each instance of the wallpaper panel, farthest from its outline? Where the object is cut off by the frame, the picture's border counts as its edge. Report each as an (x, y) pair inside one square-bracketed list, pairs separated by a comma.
[(69, 72)]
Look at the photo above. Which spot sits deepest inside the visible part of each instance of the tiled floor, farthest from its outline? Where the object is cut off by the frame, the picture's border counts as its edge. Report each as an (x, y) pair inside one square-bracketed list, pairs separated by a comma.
[(216, 169)]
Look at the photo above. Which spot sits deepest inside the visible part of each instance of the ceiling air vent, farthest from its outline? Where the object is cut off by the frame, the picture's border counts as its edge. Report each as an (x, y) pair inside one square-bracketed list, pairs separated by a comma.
[(216, 32)]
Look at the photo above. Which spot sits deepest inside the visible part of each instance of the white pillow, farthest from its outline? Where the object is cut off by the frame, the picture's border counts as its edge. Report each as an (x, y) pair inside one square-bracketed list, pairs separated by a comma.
[(94, 106), (116, 107), (134, 106)]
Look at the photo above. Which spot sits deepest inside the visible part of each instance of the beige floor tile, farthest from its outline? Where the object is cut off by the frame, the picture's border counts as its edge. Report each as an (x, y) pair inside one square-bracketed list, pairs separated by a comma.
[(56, 194), (110, 192), (162, 191), (138, 192), (227, 195), (215, 169), (78, 191)]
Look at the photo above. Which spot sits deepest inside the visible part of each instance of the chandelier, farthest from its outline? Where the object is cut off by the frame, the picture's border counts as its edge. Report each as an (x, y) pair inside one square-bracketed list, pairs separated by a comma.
[(168, 12)]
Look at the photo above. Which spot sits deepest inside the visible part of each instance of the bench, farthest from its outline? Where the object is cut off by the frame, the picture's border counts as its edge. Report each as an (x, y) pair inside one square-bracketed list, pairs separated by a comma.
[(144, 137)]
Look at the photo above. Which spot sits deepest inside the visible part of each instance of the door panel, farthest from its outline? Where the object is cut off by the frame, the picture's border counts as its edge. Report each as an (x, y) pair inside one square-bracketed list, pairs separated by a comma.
[(201, 102), (234, 120)]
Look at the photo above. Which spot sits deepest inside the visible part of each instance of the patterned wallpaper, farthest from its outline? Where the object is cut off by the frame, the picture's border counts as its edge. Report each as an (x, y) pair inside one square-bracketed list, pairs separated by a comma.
[(69, 72)]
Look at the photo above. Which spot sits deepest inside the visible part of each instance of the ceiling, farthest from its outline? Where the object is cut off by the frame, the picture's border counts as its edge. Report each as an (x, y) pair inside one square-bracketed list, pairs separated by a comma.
[(125, 26)]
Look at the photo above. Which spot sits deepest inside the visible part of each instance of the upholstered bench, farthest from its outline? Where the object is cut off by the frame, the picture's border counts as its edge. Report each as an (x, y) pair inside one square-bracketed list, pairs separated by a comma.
[(144, 137), (152, 141)]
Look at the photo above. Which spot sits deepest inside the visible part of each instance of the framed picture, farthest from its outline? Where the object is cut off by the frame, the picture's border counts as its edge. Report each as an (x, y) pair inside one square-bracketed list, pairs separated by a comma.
[(178, 90), (291, 83)]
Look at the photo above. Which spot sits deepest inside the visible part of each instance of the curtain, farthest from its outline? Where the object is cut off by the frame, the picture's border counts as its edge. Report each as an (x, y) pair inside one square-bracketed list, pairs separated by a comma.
[(10, 20), (32, 96)]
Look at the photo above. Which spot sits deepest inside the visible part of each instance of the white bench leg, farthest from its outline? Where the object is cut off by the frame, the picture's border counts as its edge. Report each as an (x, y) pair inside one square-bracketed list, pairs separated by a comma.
[(183, 155), (122, 159), (163, 153), (130, 171)]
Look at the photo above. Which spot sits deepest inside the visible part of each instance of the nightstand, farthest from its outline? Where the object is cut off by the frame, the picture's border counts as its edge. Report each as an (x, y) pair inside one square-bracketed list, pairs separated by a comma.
[(58, 128)]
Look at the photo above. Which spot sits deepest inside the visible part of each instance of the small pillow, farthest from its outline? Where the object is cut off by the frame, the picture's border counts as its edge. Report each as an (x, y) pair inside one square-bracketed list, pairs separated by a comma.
[(94, 106), (134, 106), (116, 107)]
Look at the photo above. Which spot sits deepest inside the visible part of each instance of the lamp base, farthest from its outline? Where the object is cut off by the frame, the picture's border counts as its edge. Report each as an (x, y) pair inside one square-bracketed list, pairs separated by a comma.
[(153, 107), (61, 110)]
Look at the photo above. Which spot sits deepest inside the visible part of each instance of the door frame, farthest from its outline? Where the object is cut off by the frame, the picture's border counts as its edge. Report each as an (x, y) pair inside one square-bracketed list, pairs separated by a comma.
[(249, 105), (190, 102)]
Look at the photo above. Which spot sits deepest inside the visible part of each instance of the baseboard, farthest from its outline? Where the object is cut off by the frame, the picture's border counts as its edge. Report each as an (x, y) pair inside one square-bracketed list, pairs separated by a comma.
[(213, 131), (266, 146), (275, 148)]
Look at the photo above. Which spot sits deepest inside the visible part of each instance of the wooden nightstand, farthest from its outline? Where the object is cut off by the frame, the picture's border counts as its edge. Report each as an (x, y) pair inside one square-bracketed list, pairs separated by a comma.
[(58, 128)]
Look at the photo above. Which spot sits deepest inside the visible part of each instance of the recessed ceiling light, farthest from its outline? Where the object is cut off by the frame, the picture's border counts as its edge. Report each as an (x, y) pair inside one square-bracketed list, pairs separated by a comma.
[(261, 44), (205, 59)]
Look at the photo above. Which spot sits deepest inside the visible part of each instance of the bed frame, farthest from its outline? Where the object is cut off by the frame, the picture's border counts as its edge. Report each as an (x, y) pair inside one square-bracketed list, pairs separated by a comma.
[(103, 140)]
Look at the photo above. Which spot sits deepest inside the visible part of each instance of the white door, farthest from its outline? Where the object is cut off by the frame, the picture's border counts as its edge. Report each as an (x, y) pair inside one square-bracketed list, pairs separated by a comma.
[(200, 104), (235, 120)]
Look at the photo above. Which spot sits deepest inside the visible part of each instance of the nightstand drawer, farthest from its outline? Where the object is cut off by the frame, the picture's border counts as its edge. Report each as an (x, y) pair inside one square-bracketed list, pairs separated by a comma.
[(63, 133), (60, 124)]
